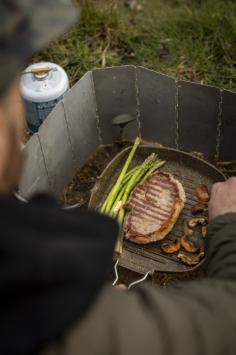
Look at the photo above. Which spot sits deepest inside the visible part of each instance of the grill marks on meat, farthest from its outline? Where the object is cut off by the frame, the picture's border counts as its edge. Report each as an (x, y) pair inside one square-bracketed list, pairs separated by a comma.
[(154, 208)]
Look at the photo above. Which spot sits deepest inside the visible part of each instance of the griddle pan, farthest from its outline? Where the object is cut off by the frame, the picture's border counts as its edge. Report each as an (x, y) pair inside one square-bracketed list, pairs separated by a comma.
[(190, 171)]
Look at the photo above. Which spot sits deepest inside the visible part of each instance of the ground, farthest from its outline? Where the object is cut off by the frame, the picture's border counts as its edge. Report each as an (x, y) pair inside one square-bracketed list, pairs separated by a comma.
[(187, 39)]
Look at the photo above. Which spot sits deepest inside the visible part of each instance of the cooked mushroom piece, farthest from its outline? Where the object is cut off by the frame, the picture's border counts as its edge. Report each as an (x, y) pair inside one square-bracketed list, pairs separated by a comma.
[(204, 230), (193, 222), (187, 231), (202, 193), (189, 244), (190, 259), (171, 247), (199, 208)]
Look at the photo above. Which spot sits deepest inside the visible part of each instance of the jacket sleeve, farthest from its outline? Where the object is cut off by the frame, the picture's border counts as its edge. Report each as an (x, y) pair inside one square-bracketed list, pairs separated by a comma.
[(197, 317), (221, 248)]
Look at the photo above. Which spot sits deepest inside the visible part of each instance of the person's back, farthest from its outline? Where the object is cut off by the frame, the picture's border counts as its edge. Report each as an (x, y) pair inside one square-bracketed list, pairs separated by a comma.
[(54, 262)]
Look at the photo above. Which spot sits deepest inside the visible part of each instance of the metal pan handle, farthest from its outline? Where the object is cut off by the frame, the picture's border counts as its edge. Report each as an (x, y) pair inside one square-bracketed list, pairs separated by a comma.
[(133, 283), (116, 273), (139, 281)]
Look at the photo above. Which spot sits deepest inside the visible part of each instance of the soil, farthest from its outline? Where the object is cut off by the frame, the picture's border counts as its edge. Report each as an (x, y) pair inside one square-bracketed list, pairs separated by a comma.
[(79, 190), (161, 279)]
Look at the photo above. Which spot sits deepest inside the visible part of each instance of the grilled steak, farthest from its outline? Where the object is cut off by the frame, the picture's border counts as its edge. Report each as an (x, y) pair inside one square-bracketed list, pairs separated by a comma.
[(154, 208)]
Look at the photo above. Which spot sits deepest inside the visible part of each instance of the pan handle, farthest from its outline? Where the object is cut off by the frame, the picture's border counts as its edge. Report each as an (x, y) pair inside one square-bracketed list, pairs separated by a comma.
[(133, 283), (140, 280), (116, 273)]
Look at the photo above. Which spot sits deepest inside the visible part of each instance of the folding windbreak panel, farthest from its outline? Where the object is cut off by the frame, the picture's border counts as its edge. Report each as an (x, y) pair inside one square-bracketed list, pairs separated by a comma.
[(198, 118), (82, 120), (57, 149), (34, 178), (183, 115), (157, 106), (227, 148), (115, 93)]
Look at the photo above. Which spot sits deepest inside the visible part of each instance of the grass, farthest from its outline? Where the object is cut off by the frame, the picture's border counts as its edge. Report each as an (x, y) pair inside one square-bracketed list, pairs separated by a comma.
[(187, 39)]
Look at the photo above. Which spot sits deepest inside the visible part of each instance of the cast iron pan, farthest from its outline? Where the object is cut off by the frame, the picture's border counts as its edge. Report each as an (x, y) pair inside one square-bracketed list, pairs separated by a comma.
[(190, 171)]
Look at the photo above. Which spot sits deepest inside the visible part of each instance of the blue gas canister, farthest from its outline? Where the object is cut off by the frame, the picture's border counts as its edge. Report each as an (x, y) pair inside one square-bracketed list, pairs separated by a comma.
[(42, 86)]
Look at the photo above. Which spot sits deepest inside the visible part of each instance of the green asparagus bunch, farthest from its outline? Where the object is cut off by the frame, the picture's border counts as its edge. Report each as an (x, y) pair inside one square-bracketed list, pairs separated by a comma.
[(115, 190), (127, 181)]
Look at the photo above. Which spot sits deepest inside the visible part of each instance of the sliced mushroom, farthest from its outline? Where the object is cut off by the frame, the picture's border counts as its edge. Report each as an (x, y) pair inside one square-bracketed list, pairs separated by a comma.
[(171, 247), (202, 193), (199, 208), (193, 222), (187, 231), (204, 230), (191, 245), (190, 259)]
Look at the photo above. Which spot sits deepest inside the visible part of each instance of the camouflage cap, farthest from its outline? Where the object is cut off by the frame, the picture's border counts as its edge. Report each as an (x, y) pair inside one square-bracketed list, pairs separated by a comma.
[(26, 27)]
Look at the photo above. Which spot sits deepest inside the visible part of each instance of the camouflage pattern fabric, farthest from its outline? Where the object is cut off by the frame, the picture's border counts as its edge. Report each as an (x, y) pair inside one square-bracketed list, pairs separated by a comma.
[(26, 27)]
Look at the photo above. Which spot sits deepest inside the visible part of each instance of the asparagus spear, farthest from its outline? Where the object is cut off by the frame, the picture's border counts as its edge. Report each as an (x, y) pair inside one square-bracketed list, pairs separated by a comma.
[(115, 190), (117, 204), (133, 182), (129, 174), (114, 206), (118, 201), (158, 164)]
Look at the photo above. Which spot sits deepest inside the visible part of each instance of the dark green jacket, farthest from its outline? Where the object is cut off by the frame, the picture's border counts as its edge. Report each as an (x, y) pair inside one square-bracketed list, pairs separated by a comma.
[(194, 318)]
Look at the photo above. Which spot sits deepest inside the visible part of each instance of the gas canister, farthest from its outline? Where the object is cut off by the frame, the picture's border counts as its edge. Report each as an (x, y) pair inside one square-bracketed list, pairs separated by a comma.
[(42, 86)]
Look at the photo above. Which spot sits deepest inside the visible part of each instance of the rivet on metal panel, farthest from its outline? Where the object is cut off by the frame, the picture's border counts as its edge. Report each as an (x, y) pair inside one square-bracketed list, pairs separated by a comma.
[(219, 126), (97, 114), (177, 114), (137, 101)]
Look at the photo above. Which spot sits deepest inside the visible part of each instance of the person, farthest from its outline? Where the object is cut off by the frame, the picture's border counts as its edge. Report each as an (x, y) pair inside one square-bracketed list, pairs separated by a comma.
[(54, 263)]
